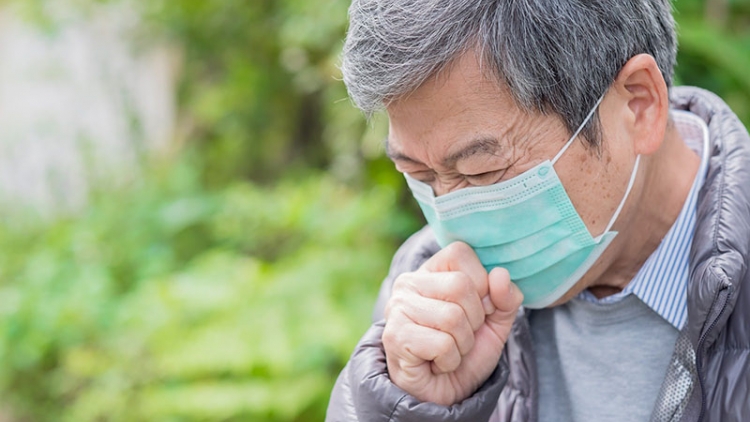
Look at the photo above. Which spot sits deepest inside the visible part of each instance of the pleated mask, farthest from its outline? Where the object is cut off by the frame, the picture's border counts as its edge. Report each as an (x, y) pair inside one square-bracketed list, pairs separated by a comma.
[(526, 224)]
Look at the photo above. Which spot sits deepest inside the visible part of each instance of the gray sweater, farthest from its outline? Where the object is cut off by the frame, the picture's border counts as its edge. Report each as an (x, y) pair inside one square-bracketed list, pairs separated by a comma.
[(595, 360), (708, 375)]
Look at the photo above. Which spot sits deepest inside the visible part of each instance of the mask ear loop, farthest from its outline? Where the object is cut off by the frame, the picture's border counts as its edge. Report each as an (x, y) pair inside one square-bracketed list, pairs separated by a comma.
[(632, 175), (627, 192), (580, 128)]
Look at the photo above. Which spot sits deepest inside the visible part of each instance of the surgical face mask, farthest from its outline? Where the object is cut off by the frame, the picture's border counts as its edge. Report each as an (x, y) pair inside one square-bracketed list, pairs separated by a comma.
[(526, 224)]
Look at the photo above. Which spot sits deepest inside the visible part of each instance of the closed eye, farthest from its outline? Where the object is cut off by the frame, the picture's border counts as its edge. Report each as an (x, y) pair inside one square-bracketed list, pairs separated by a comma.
[(427, 176), (486, 178)]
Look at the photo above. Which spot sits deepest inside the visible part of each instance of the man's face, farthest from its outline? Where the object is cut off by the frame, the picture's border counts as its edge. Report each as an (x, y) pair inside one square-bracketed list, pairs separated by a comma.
[(462, 129)]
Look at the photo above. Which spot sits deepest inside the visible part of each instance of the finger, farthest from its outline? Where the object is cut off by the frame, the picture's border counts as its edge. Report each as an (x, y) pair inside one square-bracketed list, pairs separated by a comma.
[(505, 295), (507, 298), (454, 287), (489, 307), (411, 345), (459, 256), (490, 338), (447, 317)]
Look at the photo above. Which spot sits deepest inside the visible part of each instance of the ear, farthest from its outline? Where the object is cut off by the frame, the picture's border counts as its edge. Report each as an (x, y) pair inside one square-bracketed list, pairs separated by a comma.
[(642, 91)]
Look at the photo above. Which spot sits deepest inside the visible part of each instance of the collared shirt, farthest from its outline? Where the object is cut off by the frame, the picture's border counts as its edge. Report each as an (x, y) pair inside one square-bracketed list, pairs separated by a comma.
[(662, 281)]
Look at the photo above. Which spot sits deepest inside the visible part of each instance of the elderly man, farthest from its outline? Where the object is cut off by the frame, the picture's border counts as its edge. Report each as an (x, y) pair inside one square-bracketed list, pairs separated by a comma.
[(589, 225)]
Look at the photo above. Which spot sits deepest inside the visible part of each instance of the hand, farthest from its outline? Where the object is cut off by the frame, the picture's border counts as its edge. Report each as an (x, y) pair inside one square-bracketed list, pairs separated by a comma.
[(447, 324)]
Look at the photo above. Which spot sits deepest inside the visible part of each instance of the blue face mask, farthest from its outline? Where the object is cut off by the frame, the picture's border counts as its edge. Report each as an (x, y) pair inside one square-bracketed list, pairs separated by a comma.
[(526, 225)]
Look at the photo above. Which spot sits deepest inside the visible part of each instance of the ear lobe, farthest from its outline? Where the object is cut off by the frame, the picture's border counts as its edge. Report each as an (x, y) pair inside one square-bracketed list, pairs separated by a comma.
[(642, 85)]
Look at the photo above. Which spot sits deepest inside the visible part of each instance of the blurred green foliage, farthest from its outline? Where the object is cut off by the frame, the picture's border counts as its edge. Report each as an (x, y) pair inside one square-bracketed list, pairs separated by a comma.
[(168, 302), (261, 89), (715, 49), (231, 282)]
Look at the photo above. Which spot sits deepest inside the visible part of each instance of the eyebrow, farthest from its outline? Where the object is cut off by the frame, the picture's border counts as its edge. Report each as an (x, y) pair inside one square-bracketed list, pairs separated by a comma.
[(396, 155), (484, 145)]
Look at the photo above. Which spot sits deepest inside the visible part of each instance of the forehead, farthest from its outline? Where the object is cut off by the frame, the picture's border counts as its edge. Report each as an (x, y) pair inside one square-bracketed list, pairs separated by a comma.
[(463, 87), (457, 107)]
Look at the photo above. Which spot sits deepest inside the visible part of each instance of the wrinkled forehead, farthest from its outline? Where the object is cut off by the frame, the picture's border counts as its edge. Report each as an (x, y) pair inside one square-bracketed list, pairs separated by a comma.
[(461, 111)]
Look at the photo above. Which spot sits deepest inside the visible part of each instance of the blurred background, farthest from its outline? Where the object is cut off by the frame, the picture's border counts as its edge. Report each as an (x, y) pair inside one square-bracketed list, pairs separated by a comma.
[(194, 219)]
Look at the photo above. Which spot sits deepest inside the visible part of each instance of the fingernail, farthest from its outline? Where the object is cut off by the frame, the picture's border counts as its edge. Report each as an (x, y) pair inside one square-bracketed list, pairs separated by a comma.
[(489, 307)]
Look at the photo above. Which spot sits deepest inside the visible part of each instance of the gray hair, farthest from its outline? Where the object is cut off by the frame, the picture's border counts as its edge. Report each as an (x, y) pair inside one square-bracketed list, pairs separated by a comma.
[(555, 56)]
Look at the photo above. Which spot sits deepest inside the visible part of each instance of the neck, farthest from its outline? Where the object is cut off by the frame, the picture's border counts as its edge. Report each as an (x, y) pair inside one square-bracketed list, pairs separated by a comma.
[(668, 178)]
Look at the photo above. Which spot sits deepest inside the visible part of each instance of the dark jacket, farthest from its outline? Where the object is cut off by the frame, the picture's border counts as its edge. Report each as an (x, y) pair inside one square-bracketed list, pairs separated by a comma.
[(708, 378)]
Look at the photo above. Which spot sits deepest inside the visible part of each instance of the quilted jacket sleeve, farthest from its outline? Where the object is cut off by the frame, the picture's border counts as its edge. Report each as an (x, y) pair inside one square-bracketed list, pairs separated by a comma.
[(364, 391)]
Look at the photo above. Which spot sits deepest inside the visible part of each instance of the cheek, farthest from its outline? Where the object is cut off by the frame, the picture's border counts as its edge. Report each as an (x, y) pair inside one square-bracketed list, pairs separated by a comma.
[(589, 184)]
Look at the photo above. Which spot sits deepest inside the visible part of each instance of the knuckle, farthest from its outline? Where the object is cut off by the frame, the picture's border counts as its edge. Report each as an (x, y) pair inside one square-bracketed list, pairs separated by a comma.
[(399, 302), (453, 317), (402, 281), (396, 301), (408, 282), (398, 339), (393, 307), (451, 363), (456, 249), (388, 309), (444, 345), (460, 284), (390, 337)]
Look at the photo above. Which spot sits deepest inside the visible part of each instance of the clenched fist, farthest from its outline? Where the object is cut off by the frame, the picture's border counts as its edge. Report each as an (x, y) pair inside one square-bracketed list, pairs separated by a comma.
[(447, 324)]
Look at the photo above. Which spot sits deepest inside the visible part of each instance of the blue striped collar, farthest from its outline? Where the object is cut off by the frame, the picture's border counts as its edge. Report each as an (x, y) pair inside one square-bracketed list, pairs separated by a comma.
[(662, 281)]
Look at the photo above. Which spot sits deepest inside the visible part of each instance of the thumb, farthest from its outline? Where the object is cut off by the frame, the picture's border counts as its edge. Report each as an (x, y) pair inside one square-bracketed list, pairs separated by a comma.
[(507, 298)]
